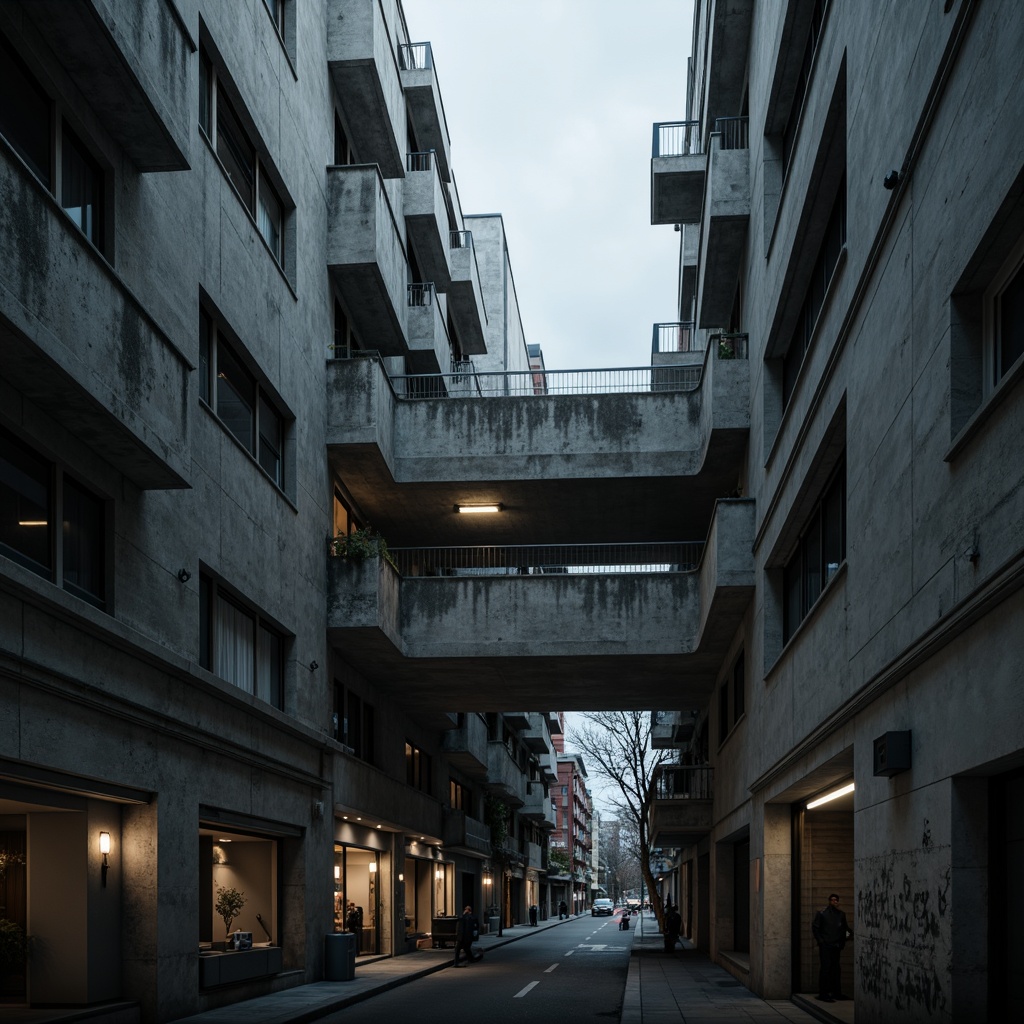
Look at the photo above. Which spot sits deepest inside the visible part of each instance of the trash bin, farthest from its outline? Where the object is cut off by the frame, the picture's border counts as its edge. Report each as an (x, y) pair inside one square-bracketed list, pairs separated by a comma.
[(340, 957), (533, 915)]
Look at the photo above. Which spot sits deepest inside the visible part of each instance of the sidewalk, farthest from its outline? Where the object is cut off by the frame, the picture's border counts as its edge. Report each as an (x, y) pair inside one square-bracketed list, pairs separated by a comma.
[(682, 987)]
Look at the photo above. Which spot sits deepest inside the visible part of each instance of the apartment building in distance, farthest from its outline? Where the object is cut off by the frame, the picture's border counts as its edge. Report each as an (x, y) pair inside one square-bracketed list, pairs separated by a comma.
[(848, 183)]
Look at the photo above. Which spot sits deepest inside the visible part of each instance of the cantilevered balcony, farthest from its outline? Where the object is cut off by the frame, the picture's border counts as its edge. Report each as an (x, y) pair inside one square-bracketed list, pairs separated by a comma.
[(423, 94), (463, 834), (466, 745), (538, 807), (426, 217), (548, 458), (671, 729), (725, 220), (132, 62), (505, 778), (678, 166), (366, 257), (77, 344), (681, 813), (487, 627), (465, 295), (536, 736), (364, 69), (429, 347)]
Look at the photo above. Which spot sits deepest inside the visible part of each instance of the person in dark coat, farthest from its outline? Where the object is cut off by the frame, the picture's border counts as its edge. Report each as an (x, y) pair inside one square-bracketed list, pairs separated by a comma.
[(673, 926), (466, 929), (563, 910), (830, 932)]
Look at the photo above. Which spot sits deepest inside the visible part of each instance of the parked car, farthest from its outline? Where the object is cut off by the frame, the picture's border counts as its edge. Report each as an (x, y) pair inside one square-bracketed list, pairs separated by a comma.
[(602, 908)]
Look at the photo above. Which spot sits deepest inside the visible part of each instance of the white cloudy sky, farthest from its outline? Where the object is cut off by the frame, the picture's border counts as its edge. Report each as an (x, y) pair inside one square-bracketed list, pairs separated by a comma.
[(550, 105)]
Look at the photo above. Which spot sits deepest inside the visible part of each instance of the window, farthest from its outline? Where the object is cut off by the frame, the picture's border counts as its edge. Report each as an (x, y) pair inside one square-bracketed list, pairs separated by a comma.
[(818, 555), (1004, 320), (346, 341), (723, 713), (28, 123), (34, 495), (238, 645), (240, 402), (417, 767), (456, 796), (803, 76), (353, 722), (239, 157), (817, 287), (344, 520), (738, 688)]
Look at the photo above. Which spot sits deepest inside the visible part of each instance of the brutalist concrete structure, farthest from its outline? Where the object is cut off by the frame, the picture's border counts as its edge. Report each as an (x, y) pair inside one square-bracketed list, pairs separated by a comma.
[(855, 175)]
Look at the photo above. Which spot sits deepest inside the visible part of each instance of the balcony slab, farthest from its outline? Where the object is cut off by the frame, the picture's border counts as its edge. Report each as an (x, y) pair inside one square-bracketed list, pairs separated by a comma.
[(677, 188)]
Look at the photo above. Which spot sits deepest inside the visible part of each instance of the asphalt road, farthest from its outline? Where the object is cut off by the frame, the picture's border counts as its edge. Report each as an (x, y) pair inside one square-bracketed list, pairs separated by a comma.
[(575, 972)]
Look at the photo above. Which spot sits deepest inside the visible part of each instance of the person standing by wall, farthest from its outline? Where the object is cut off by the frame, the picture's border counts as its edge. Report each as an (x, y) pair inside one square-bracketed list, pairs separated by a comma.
[(830, 932), (673, 925)]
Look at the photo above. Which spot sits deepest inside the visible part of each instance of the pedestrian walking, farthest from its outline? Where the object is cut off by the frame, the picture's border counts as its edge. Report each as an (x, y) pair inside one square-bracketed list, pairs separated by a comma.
[(467, 930), (673, 925), (563, 910), (830, 932)]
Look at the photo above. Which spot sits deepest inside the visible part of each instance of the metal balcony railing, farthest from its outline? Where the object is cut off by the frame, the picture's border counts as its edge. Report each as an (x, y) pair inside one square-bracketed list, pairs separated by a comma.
[(549, 559), (461, 240), (676, 138), (419, 161), (421, 293), (523, 383), (415, 56), (683, 782), (680, 336), (735, 132)]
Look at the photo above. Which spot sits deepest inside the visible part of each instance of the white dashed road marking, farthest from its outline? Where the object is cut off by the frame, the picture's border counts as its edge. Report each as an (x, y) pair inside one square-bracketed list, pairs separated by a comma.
[(523, 992), (551, 968)]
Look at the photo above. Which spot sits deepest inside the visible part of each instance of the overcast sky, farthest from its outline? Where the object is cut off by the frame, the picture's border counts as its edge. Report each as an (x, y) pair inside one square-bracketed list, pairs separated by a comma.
[(550, 105)]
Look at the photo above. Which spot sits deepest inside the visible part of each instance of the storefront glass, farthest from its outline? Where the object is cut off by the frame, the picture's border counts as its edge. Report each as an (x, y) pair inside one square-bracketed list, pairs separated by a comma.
[(357, 895)]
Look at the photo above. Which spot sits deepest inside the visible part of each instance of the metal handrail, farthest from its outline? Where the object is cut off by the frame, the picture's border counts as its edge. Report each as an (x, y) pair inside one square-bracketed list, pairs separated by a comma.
[(678, 336), (419, 161), (735, 132), (541, 560), (676, 138), (683, 782), (421, 293), (632, 380), (415, 56)]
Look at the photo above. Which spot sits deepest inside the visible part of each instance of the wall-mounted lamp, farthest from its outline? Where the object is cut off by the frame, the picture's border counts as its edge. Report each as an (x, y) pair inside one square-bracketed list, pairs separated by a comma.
[(104, 849), (337, 872), (834, 795), (439, 874), (891, 180), (314, 665), (488, 880), (401, 876), (373, 867), (184, 575), (477, 509)]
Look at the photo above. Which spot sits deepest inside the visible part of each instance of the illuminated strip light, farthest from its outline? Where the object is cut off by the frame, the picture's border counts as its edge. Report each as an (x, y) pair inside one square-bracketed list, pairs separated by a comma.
[(33, 522), (474, 509), (834, 795)]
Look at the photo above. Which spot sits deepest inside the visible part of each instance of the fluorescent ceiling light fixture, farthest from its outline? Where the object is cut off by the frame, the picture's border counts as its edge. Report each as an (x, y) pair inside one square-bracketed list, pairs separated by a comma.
[(32, 522), (834, 795), (474, 509)]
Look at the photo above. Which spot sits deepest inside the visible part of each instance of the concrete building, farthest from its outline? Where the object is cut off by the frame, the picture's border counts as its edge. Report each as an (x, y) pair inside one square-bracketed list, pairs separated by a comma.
[(216, 218), (849, 182)]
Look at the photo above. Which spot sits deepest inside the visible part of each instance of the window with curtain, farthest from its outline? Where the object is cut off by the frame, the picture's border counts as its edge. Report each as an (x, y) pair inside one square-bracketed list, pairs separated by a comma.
[(236, 644)]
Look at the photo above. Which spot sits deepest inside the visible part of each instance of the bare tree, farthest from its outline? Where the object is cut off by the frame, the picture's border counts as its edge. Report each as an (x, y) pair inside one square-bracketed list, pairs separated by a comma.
[(616, 746)]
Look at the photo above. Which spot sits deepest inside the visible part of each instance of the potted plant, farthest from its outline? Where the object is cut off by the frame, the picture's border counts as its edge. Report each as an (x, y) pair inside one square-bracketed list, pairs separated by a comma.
[(13, 948), (229, 905), (361, 544)]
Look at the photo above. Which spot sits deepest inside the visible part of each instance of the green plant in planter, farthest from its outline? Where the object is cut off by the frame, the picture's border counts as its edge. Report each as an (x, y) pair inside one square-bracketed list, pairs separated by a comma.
[(13, 947), (360, 544), (726, 348), (229, 905)]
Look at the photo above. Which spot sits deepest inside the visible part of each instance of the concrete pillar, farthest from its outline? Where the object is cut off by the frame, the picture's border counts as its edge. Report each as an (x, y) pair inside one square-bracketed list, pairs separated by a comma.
[(775, 901)]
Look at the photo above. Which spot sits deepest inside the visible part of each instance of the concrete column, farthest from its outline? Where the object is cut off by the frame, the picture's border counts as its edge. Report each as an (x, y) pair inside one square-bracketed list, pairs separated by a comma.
[(776, 903), (969, 830)]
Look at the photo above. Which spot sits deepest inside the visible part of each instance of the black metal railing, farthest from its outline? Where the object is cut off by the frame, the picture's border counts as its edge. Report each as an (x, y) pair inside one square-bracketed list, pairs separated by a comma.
[(735, 132), (680, 336), (421, 293), (683, 782), (676, 138), (549, 559), (415, 56), (419, 161), (525, 383)]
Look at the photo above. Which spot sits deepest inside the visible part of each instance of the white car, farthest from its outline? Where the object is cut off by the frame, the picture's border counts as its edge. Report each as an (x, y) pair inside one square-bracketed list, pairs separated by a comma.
[(603, 908)]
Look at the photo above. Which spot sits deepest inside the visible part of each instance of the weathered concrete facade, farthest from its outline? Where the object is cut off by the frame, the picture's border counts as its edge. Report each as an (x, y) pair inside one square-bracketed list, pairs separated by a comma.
[(883, 462)]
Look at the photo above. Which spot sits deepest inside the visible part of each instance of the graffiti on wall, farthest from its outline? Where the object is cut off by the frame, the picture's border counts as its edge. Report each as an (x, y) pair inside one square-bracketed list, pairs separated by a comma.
[(903, 953)]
